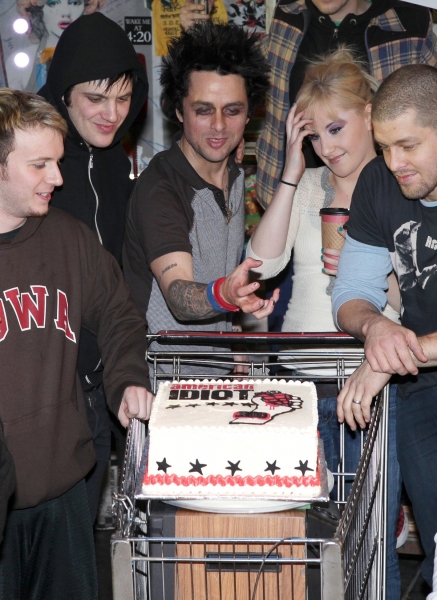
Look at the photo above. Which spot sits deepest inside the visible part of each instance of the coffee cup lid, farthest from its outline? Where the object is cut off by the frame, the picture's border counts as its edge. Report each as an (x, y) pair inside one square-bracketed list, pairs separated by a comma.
[(334, 211)]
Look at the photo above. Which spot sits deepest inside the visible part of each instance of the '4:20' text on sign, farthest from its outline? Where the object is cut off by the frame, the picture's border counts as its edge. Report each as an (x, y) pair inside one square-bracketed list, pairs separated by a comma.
[(139, 30)]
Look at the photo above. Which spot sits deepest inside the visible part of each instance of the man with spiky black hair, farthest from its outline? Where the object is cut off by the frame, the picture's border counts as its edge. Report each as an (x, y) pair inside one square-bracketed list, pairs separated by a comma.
[(226, 49), (185, 222)]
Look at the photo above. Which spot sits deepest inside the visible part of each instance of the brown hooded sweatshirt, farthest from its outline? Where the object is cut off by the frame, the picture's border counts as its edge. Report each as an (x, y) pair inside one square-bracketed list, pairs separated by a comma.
[(56, 277)]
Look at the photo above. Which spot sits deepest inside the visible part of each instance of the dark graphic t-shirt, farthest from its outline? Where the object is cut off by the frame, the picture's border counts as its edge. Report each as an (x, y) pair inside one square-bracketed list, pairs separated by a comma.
[(382, 216)]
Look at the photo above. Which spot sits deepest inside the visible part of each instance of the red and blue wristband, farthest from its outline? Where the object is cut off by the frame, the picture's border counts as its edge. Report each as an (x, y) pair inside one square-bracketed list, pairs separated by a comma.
[(216, 299)]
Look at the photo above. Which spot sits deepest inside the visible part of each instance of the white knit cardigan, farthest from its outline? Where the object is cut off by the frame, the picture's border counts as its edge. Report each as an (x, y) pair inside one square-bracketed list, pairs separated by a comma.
[(310, 306)]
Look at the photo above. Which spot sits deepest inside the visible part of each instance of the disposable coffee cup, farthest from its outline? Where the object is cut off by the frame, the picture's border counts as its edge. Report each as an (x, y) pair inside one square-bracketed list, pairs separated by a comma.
[(332, 218)]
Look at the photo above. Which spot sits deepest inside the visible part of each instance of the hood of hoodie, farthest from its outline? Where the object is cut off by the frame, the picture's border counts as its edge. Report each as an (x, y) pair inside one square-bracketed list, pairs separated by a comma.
[(92, 48)]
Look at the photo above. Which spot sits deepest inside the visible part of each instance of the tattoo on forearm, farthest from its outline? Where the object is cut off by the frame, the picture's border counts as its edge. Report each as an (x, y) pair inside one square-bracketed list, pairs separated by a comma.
[(188, 301)]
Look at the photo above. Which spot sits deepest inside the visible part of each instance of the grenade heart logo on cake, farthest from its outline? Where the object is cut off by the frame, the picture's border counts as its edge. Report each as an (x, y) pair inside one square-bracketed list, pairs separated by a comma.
[(270, 405)]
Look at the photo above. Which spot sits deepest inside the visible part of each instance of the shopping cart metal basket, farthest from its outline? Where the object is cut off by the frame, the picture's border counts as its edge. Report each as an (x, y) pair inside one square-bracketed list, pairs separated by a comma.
[(349, 565)]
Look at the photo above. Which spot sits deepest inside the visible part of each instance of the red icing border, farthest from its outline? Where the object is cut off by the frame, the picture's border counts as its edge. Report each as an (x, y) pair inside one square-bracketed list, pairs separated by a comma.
[(268, 480)]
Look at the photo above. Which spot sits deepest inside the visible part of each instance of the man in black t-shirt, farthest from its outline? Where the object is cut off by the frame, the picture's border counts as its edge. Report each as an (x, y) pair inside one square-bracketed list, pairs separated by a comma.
[(393, 225)]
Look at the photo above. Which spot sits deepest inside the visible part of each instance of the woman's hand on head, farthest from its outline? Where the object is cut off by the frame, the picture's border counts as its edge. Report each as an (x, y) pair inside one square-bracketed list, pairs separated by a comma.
[(294, 158)]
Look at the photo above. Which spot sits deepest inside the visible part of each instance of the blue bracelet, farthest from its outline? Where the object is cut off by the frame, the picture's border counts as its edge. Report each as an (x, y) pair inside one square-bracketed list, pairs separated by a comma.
[(211, 299)]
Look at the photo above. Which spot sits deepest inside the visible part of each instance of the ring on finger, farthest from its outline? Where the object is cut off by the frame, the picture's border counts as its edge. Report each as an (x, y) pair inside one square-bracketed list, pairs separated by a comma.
[(356, 401)]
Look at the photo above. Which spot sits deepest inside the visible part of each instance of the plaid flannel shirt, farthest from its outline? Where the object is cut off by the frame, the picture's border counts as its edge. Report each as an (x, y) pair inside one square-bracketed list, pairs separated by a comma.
[(281, 47)]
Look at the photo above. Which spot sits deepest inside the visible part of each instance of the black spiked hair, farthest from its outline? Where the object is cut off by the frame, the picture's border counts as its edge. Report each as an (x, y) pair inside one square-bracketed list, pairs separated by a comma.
[(225, 49)]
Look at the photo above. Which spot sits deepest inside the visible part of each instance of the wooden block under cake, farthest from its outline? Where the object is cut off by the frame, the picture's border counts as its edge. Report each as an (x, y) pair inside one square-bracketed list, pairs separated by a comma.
[(198, 582)]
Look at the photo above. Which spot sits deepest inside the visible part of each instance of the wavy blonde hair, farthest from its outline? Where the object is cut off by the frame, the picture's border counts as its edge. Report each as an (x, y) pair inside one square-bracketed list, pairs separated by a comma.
[(336, 79)]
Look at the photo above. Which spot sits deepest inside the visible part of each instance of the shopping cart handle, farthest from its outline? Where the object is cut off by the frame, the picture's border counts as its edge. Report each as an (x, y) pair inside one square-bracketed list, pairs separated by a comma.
[(220, 337)]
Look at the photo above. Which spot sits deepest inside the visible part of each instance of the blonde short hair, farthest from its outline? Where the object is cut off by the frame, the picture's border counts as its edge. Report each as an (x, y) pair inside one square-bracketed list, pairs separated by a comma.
[(20, 110), (336, 79)]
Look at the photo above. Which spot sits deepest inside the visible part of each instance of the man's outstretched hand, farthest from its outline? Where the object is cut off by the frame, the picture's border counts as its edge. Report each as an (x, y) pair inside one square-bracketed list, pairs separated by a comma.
[(237, 291)]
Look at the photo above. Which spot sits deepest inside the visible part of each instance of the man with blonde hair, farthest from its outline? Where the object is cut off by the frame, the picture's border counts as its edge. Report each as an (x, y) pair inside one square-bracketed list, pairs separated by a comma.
[(55, 278)]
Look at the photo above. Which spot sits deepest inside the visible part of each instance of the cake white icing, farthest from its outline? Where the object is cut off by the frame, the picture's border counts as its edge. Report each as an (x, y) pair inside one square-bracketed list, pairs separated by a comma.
[(233, 438)]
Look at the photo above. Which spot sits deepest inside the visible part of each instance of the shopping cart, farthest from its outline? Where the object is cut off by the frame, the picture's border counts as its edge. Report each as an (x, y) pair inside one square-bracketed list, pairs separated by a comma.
[(349, 565)]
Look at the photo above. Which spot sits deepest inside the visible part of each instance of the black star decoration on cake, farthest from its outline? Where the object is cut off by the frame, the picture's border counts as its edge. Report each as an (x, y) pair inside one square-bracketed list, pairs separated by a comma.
[(211, 403), (192, 405), (272, 467), (230, 404), (163, 465), (197, 467), (173, 406), (303, 466), (233, 467), (246, 404)]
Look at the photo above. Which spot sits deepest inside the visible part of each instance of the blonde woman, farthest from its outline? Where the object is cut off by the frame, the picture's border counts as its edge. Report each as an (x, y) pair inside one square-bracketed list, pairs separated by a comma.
[(332, 112)]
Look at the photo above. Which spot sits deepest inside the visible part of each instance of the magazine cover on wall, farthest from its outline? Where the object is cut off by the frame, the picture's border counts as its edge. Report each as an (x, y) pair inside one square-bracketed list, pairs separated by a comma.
[(250, 14), (30, 30)]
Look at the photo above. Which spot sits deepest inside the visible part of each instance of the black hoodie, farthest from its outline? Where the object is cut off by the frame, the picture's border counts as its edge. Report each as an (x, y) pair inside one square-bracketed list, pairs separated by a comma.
[(93, 48)]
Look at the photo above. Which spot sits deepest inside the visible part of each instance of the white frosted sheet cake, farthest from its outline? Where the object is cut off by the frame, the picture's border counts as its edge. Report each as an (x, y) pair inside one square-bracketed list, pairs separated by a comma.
[(233, 439)]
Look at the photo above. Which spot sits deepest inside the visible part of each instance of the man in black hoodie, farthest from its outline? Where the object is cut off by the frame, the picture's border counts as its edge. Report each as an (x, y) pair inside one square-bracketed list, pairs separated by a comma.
[(98, 84)]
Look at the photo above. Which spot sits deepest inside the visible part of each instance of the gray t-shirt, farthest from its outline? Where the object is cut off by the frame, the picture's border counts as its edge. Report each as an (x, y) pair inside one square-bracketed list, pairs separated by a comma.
[(174, 210)]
